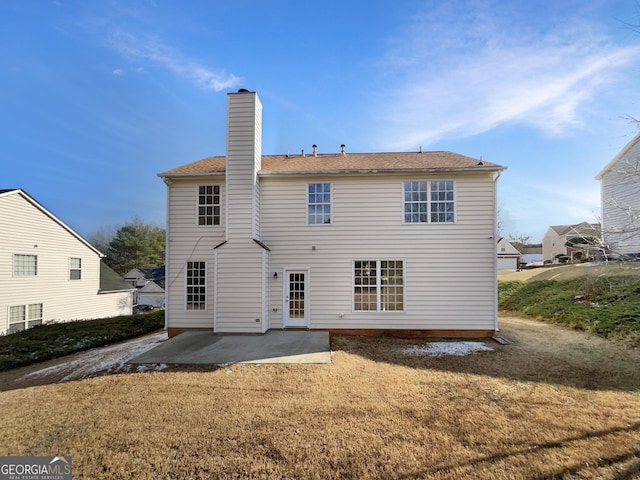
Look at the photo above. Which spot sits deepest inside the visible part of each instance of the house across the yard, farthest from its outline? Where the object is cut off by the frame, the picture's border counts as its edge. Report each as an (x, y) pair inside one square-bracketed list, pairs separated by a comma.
[(554, 242), (620, 199), (361, 242), (48, 272), (149, 285), (508, 255)]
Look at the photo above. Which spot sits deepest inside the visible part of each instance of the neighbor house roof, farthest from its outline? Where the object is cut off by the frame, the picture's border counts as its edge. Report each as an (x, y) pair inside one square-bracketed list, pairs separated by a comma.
[(155, 274), (347, 163), (110, 281), (583, 228)]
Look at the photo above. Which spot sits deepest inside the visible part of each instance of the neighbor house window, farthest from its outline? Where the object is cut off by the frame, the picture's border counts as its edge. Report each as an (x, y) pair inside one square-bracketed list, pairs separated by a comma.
[(428, 202), (25, 265), (319, 203), (378, 285), (22, 317), (75, 268), (196, 286), (209, 205)]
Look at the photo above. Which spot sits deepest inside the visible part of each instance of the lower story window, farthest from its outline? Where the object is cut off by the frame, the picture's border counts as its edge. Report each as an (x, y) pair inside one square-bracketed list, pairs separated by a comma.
[(196, 286), (378, 285), (22, 317)]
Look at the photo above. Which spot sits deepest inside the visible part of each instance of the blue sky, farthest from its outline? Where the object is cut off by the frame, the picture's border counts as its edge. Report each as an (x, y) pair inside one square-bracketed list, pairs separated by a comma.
[(98, 97)]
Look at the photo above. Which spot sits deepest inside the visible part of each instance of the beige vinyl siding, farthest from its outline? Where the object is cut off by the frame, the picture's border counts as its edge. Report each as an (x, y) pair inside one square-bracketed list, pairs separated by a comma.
[(239, 305), (256, 168), (552, 245), (242, 164), (188, 241), (26, 229), (620, 203), (450, 267)]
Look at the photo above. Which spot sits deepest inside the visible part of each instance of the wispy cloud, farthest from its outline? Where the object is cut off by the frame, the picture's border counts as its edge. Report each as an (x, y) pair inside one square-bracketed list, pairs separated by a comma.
[(151, 51), (448, 78)]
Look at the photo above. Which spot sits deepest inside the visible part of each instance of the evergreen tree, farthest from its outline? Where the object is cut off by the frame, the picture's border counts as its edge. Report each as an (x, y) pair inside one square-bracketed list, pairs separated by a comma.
[(136, 244)]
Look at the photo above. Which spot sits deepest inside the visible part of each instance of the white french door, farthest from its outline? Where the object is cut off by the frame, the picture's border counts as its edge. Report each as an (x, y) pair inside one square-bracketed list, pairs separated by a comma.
[(296, 298)]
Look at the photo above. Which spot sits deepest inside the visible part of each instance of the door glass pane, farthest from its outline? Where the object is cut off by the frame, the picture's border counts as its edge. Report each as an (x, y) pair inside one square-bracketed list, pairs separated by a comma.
[(296, 295)]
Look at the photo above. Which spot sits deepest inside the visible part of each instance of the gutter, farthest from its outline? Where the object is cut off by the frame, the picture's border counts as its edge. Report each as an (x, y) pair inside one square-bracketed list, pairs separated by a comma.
[(165, 176), (270, 173)]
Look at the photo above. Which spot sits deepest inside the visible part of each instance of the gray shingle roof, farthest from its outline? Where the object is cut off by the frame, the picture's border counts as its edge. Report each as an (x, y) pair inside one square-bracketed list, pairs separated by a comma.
[(110, 281)]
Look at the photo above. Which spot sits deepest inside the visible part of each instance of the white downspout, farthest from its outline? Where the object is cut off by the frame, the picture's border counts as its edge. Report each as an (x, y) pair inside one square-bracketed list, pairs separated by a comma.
[(495, 250)]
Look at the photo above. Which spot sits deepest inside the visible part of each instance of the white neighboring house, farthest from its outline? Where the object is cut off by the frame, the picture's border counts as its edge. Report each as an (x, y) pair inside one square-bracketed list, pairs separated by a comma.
[(49, 273), (149, 285), (508, 255), (365, 242), (620, 200)]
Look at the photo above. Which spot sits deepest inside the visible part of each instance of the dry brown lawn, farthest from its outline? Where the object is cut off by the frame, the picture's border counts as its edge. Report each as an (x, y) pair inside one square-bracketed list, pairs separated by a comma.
[(554, 404)]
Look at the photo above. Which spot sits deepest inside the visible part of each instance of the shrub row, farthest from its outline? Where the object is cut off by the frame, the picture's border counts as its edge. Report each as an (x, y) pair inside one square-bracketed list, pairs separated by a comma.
[(58, 339)]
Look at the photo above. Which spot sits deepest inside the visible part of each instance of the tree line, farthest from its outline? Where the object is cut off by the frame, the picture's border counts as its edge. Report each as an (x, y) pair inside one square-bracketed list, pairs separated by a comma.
[(135, 244)]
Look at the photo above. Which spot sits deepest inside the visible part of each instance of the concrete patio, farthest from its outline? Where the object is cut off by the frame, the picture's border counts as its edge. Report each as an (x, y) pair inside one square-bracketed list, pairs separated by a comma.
[(205, 348)]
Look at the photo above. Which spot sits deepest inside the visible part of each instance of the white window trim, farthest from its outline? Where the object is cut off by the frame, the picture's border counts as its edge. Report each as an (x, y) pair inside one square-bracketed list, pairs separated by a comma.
[(379, 285), (79, 269), (206, 286), (26, 319), (198, 204), (13, 264), (429, 222), (306, 199)]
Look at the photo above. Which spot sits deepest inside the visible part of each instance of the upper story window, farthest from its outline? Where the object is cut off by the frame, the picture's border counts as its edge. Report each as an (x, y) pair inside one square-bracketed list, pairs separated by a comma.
[(25, 265), (442, 201), (319, 204), (429, 202), (209, 205), (75, 268)]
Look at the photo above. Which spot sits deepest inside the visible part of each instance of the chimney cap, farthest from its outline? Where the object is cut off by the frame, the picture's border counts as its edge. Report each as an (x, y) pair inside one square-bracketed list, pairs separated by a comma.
[(243, 90)]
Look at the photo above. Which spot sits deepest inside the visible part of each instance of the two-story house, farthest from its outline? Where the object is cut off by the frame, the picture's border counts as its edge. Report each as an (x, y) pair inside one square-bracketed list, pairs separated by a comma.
[(620, 200), (358, 242), (557, 242), (48, 272)]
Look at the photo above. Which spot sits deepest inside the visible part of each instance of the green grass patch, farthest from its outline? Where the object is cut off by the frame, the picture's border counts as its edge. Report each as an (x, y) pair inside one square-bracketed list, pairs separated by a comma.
[(606, 305), (58, 339)]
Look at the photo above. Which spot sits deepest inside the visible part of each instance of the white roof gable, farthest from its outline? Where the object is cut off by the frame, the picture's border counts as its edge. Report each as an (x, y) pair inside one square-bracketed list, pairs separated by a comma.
[(620, 155), (151, 287), (32, 201), (508, 248)]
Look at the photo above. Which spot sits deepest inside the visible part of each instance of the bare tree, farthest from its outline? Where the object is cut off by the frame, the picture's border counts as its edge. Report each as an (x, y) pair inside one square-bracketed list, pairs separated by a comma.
[(621, 205), (520, 241), (102, 237)]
